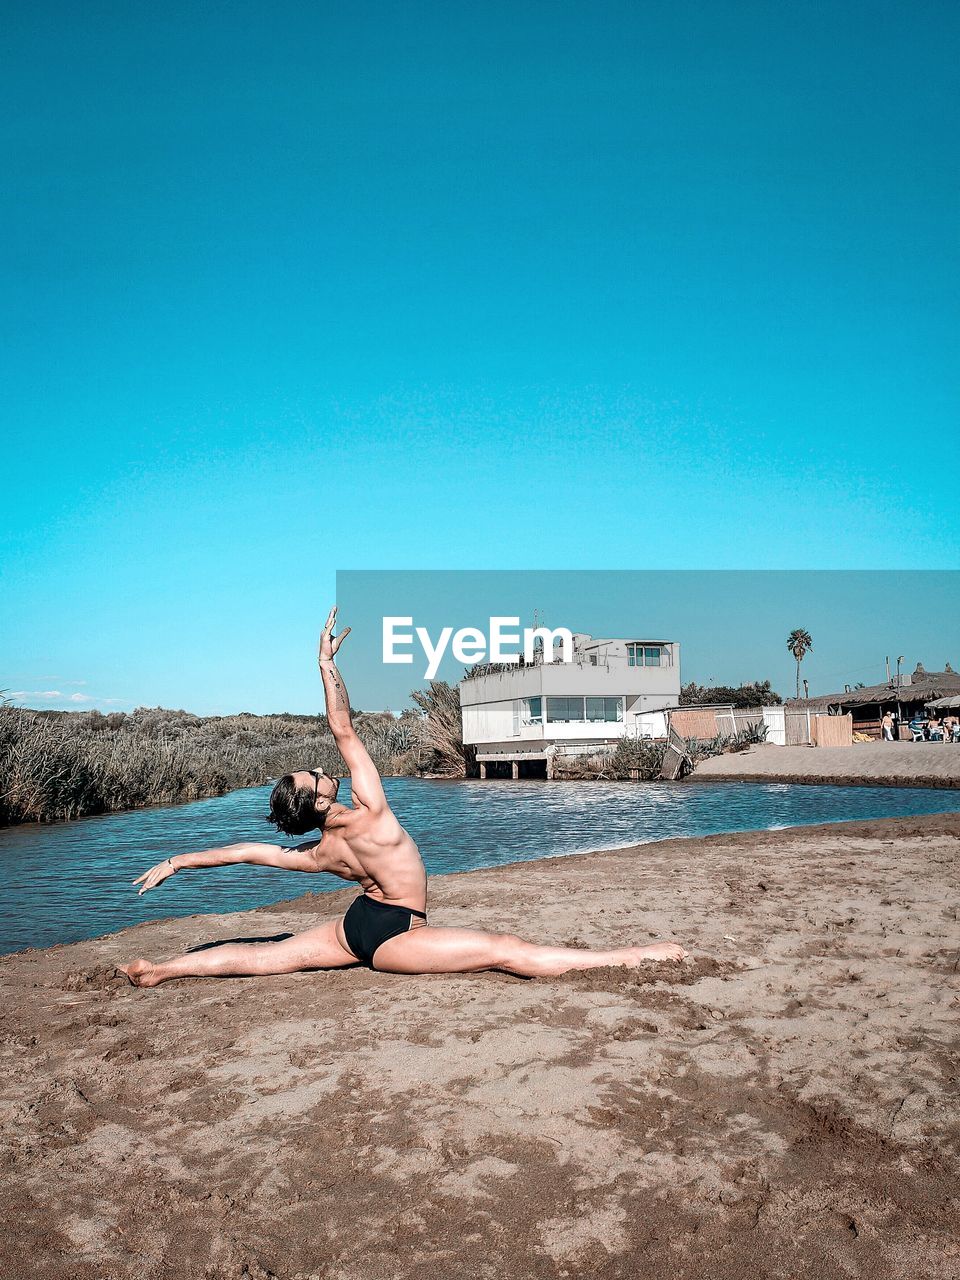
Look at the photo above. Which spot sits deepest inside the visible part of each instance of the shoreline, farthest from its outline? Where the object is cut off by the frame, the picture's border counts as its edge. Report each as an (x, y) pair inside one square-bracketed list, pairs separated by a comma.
[(760, 836), (865, 764), (829, 780), (789, 1093), (706, 771)]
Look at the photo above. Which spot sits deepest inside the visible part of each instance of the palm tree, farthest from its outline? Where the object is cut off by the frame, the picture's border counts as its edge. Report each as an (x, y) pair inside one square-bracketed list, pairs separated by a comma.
[(798, 642)]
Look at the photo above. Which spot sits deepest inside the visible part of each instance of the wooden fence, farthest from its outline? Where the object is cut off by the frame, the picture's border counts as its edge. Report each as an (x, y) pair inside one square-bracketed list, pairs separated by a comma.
[(695, 723), (704, 723), (799, 726), (676, 758), (832, 731)]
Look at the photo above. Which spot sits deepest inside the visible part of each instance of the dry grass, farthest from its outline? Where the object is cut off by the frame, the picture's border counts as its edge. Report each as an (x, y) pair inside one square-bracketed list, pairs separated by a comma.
[(68, 764), (439, 732), (629, 759)]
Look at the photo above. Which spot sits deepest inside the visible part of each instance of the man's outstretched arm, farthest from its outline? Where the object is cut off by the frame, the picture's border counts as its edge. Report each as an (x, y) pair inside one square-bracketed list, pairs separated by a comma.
[(301, 857), (364, 779)]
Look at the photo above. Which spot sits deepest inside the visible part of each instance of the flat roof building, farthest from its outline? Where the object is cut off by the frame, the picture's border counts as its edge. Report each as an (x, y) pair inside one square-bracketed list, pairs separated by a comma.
[(520, 716)]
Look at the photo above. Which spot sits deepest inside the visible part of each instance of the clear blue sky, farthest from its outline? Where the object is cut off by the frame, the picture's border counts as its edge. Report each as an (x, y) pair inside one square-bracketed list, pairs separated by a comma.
[(292, 288)]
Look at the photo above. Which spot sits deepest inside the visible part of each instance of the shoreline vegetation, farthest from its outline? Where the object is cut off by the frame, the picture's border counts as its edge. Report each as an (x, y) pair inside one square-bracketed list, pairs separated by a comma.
[(60, 765)]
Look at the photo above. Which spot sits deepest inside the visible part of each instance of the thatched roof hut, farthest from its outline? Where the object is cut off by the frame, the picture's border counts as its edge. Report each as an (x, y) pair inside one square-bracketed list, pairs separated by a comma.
[(914, 692)]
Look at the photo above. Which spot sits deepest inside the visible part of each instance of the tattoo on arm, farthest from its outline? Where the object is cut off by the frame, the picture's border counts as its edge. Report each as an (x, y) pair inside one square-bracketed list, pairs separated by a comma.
[(335, 690), (342, 700)]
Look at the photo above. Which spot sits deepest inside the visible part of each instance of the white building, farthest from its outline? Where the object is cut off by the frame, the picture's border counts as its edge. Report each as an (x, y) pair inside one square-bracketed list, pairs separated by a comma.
[(522, 716)]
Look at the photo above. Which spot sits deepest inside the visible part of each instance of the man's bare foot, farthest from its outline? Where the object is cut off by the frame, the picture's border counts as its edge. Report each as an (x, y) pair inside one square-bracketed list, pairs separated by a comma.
[(660, 951), (140, 973)]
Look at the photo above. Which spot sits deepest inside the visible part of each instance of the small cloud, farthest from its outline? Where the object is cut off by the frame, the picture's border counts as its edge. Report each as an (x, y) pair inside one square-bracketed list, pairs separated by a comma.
[(51, 697)]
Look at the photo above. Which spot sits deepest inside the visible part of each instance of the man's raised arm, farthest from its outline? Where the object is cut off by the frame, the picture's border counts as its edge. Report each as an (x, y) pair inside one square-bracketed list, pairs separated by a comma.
[(364, 779)]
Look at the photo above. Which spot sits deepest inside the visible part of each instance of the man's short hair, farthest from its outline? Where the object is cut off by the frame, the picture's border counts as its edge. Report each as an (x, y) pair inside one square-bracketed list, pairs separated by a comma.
[(292, 808)]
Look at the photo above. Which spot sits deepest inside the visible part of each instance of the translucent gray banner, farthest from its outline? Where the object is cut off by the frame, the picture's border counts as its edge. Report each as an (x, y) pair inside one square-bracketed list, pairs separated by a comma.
[(717, 628)]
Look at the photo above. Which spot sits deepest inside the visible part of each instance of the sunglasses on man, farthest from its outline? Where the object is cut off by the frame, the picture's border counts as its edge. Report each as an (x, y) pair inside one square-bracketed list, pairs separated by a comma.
[(316, 774)]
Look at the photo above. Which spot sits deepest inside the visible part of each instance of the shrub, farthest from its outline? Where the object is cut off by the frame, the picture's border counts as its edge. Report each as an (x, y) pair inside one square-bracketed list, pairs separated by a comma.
[(631, 759), (702, 749), (635, 754)]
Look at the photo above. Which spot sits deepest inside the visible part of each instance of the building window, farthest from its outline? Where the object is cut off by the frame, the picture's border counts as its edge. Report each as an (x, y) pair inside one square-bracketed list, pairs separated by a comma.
[(560, 709), (579, 710), (533, 710), (646, 655), (606, 709)]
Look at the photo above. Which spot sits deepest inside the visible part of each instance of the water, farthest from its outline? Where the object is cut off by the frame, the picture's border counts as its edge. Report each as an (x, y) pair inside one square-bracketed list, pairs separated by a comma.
[(71, 881)]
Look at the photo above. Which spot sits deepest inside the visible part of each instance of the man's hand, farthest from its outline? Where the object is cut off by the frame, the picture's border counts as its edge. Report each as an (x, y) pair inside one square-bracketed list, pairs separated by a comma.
[(156, 875), (329, 644)]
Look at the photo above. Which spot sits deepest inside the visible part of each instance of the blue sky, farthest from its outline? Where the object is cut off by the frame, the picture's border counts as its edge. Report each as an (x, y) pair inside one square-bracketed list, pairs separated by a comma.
[(295, 288)]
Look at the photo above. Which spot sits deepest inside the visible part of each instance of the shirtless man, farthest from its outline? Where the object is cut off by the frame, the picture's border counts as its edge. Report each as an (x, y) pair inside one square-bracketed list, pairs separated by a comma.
[(386, 927)]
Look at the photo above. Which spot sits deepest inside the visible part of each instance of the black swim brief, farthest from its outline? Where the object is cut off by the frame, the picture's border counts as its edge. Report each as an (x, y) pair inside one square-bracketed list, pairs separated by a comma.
[(368, 923)]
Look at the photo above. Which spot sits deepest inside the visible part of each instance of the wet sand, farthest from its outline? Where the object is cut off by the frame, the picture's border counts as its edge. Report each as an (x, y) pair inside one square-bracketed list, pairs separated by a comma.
[(865, 764), (783, 1106)]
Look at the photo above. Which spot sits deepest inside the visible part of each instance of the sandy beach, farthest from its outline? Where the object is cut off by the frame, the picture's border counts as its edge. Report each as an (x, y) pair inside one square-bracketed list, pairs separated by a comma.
[(871, 764), (784, 1105)]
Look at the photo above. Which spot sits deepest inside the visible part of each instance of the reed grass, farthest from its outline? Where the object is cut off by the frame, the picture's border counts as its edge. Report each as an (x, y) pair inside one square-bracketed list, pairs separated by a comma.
[(438, 737), (56, 765)]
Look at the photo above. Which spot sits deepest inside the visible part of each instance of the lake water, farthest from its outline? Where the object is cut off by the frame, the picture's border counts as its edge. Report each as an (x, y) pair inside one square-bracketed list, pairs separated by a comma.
[(70, 881)]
